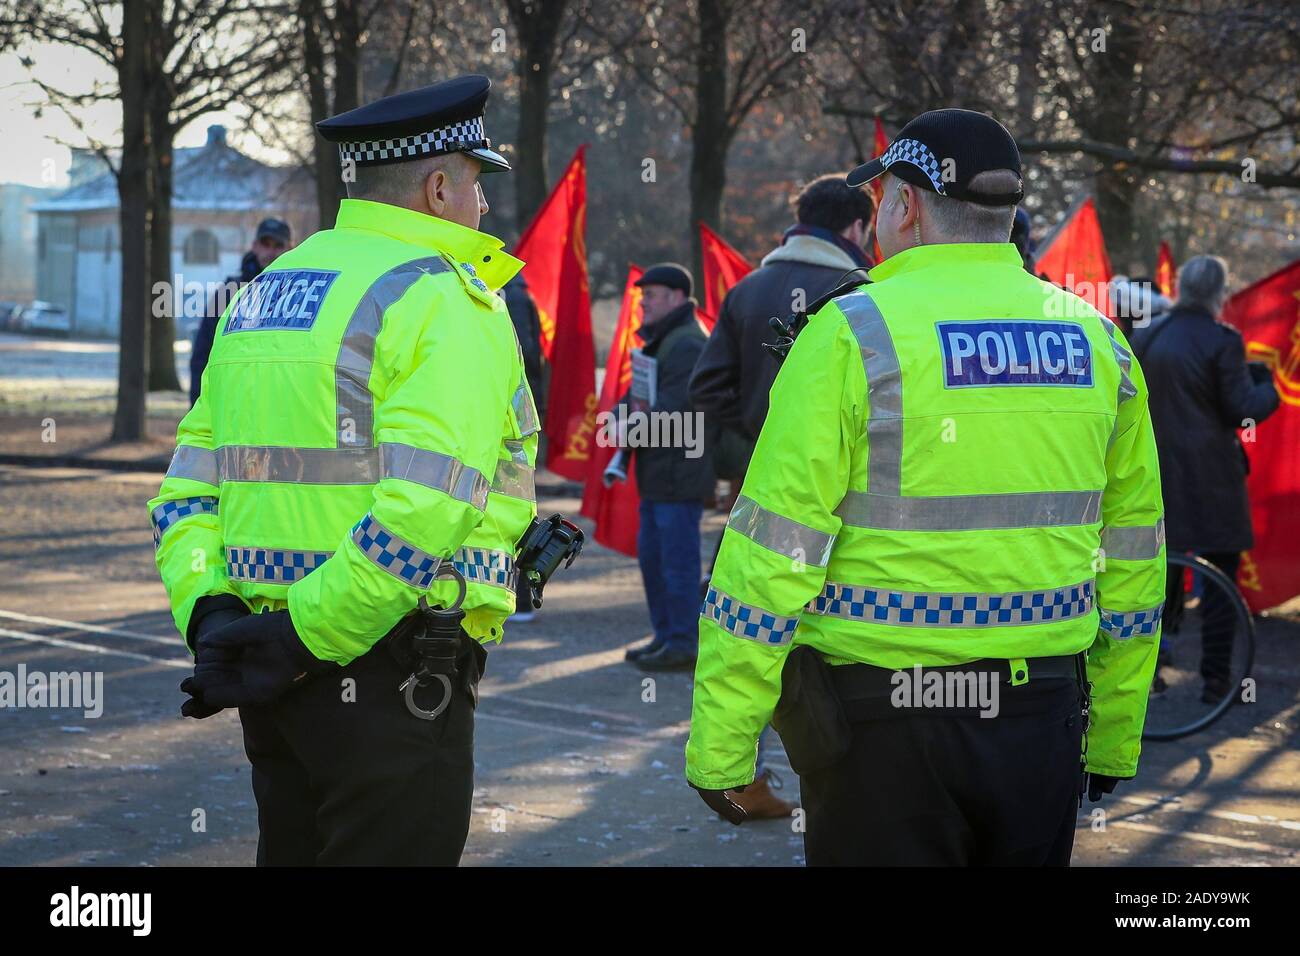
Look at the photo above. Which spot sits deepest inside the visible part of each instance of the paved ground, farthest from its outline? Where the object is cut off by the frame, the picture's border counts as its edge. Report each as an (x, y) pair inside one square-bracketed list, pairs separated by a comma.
[(575, 765)]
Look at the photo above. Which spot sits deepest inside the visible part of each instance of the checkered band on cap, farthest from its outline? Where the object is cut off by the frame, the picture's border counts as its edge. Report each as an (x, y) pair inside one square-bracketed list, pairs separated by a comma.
[(467, 134), (919, 155)]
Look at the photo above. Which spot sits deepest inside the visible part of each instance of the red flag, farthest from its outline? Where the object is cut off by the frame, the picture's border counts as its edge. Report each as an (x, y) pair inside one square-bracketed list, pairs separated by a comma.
[(554, 246), (1268, 315), (1075, 258), (723, 268), (1166, 271), (877, 185), (614, 509)]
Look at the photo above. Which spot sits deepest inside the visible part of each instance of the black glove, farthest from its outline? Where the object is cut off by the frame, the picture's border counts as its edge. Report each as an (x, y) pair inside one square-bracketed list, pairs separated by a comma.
[(253, 661), (210, 614), (723, 805), (1099, 784)]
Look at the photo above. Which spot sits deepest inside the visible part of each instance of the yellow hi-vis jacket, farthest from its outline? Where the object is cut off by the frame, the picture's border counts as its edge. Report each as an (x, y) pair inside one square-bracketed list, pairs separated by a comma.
[(364, 417), (958, 464)]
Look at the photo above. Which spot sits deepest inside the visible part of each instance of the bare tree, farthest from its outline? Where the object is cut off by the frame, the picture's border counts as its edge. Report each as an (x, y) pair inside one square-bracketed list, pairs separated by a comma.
[(714, 62), (187, 58), (335, 39)]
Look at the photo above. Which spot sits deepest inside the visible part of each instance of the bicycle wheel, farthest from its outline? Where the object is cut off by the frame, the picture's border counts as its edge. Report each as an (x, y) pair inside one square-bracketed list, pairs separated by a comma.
[(1207, 650)]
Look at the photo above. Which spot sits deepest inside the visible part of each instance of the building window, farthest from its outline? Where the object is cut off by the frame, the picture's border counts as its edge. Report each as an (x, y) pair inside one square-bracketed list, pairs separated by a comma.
[(201, 248)]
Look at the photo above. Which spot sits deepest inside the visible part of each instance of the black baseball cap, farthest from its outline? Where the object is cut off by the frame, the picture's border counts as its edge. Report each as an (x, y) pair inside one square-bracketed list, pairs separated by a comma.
[(668, 274), (943, 150), (273, 229)]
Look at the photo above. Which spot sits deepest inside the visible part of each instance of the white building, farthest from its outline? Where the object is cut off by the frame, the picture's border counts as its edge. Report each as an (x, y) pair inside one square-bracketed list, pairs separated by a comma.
[(219, 197), (18, 241)]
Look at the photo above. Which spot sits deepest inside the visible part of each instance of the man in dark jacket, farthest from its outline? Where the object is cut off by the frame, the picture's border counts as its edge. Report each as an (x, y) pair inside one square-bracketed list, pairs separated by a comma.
[(733, 376), (665, 435), (1202, 391), (528, 329), (272, 239), (735, 372)]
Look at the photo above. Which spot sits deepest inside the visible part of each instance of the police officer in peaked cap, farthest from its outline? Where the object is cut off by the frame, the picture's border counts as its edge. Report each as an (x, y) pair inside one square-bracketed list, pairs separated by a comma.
[(363, 446)]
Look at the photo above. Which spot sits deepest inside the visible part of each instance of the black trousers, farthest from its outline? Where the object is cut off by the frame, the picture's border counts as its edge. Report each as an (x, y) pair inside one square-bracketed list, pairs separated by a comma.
[(1218, 616), (921, 788), (344, 774)]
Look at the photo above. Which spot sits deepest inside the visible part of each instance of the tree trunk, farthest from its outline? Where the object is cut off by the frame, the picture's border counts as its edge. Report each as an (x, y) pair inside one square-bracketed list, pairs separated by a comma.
[(162, 320), (347, 56), (324, 154), (710, 135), (537, 24), (133, 194), (1112, 118)]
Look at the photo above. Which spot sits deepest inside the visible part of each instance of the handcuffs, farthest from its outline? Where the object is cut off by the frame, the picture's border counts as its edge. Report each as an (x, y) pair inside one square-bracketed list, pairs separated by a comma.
[(545, 545)]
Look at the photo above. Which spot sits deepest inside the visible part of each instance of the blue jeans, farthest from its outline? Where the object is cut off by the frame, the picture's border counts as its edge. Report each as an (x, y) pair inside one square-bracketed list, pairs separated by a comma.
[(668, 549)]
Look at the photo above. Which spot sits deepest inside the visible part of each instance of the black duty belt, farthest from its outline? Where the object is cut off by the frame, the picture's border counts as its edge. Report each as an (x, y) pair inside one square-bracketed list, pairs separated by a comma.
[(864, 689)]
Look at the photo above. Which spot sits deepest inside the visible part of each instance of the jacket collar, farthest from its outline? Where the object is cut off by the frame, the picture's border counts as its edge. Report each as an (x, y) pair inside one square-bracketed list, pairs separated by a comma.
[(812, 251), (1191, 312), (945, 255), (483, 253), (651, 334)]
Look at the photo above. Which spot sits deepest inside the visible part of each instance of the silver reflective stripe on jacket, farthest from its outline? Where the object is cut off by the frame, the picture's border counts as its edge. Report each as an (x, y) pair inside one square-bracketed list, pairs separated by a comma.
[(301, 466), (525, 411), (779, 533), (194, 463), (354, 403), (515, 480), (1133, 544), (435, 470), (1127, 389), (518, 454), (884, 392), (952, 609), (746, 620), (1031, 509), (352, 466)]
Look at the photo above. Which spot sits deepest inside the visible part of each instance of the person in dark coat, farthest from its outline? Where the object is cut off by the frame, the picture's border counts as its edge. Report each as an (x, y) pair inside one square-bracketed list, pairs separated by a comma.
[(528, 329), (735, 372), (272, 239), (1202, 391), (675, 478)]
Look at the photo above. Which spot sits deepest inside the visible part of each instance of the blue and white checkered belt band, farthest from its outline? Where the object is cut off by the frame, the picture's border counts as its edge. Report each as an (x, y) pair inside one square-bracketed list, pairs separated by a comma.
[(170, 512), (481, 566), (272, 565), (1122, 625), (286, 566), (386, 550), (953, 609), (747, 621), (904, 608)]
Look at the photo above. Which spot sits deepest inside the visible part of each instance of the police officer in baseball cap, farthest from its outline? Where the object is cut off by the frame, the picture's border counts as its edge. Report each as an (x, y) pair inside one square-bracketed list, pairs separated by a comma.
[(976, 634)]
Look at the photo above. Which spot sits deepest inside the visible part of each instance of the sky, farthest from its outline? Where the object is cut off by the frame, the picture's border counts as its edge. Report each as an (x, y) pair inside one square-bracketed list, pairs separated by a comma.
[(34, 150)]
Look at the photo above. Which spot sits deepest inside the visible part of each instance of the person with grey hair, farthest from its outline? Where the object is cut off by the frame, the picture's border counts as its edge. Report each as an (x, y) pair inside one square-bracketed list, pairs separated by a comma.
[(1202, 391)]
